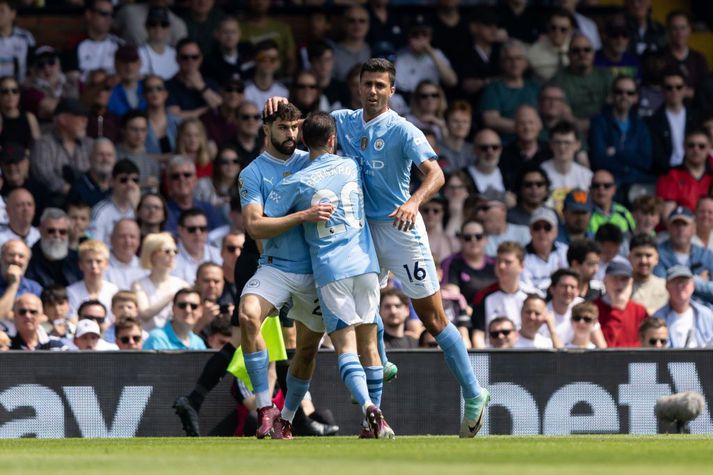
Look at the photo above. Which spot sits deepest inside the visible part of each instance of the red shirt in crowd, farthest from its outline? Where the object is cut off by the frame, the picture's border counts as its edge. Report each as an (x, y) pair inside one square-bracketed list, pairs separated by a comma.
[(680, 186), (621, 327)]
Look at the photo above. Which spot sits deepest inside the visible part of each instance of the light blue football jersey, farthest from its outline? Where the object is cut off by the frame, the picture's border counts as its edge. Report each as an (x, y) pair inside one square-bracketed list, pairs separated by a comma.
[(288, 251), (341, 247), (386, 148)]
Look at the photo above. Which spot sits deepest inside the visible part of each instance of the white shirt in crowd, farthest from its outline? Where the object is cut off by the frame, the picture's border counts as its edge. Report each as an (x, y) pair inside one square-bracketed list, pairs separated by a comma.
[(258, 96), (577, 177), (483, 182), (105, 215), (538, 271), (77, 294), (32, 237), (123, 275), (681, 331), (145, 285), (677, 123), (539, 342), (186, 266), (161, 64)]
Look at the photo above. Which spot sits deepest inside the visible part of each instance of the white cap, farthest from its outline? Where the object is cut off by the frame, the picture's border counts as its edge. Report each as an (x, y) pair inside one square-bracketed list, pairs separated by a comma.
[(87, 326)]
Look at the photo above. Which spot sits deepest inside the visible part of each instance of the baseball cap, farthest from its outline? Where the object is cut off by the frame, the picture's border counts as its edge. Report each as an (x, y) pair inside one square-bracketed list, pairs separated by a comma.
[(491, 194), (158, 14), (87, 326), (71, 106), (419, 23), (544, 214), (126, 54), (12, 153), (619, 268), (677, 271), (681, 212), (578, 200), (44, 51)]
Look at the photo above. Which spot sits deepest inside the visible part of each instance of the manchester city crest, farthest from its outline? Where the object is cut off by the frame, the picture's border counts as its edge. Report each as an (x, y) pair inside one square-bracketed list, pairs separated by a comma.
[(378, 144)]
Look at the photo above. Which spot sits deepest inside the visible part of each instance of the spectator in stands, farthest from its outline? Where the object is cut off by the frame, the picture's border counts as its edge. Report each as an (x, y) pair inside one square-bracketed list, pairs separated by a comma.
[(564, 290), (646, 211), (127, 94), (56, 307), (193, 247), (30, 336), (534, 316), (670, 123), (614, 248), (96, 47), (178, 332), (128, 334), (690, 324), (258, 25), (502, 333), (219, 333), (470, 269), (614, 55), (125, 195), (519, 20), (124, 267), (20, 213), (124, 305), (442, 244), (491, 211), (217, 188), (584, 320), (553, 109), (619, 316), (679, 55), (134, 130), (485, 173), (533, 190), (156, 291), (585, 86), (14, 258), (386, 35), (87, 335), (93, 262), (60, 156), (428, 105), (228, 59), (458, 191), (94, 185), (132, 20), (181, 173), (151, 214), (606, 210), (353, 49), (321, 59), (46, 84), (583, 24), (264, 83), (394, 311), (647, 35), (455, 150), (192, 142), (18, 126), (543, 254), (681, 228), (15, 42), (619, 140), (649, 290), (230, 249), (96, 312), (504, 297), (202, 18), (96, 94), (576, 213), (210, 285), (503, 96), (15, 170), (52, 261), (480, 63), (564, 173), (80, 217), (419, 61), (704, 223), (189, 93), (583, 256), (247, 140), (651, 94), (221, 123), (685, 185), (526, 150), (306, 95), (157, 55), (162, 125), (5, 341), (549, 53), (653, 333)]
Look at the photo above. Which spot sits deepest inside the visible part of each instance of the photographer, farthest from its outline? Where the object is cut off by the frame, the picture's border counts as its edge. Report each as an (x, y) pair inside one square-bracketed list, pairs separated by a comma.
[(210, 284)]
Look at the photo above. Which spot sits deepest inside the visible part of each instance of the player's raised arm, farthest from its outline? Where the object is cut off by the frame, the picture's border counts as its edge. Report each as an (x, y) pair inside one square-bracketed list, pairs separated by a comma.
[(405, 215)]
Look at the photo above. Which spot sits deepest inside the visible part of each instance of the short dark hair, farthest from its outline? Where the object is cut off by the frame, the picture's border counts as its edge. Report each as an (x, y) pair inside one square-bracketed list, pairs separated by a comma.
[(206, 265), (609, 232), (186, 41), (701, 132), (317, 128), (392, 292), (563, 127), (676, 13), (562, 13), (76, 203), (124, 167), (285, 111), (651, 323), (379, 65), (511, 247), (623, 77), (190, 213), (54, 294), (90, 303), (501, 320), (534, 297), (642, 240), (317, 49), (564, 272), (531, 168), (131, 115), (220, 326), (126, 324), (579, 249), (648, 204), (588, 309), (670, 72), (186, 291), (265, 45)]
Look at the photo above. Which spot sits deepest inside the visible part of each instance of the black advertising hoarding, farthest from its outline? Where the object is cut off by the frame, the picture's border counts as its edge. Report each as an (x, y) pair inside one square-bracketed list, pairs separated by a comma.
[(534, 392)]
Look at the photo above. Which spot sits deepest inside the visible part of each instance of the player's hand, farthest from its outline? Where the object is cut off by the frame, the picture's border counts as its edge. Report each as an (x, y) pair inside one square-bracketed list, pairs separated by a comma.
[(405, 216), (14, 274), (319, 212), (273, 103)]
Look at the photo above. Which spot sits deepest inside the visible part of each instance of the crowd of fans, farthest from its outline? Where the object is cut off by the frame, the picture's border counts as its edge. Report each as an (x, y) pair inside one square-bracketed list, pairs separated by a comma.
[(576, 211)]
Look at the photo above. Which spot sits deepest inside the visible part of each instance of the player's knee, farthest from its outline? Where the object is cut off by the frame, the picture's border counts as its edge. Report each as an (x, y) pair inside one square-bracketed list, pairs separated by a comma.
[(249, 321)]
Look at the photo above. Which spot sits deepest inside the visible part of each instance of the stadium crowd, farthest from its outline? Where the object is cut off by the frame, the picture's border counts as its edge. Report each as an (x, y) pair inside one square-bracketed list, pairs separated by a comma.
[(576, 211)]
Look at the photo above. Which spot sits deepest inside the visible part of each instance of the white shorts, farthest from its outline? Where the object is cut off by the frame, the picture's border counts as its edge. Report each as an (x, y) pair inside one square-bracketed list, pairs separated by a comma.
[(350, 301), (407, 255), (277, 287)]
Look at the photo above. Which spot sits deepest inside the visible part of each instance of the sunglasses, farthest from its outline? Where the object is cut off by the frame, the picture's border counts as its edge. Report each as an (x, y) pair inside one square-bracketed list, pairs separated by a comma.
[(231, 89), (249, 116), (674, 87), (486, 147), (586, 50), (698, 145), (483, 208), (267, 59), (150, 207), (624, 92), (534, 184), (7, 91), (150, 89), (25, 311), (154, 24), (170, 252), (126, 179), (306, 86), (619, 34), (229, 161), (432, 95), (233, 248), (497, 333), (559, 29), (185, 305), (46, 62), (537, 227), (97, 319), (361, 21), (177, 176), (470, 237), (128, 339), (103, 13), (597, 185), (654, 341), (195, 229), (60, 231), (431, 210), (582, 318), (191, 57)]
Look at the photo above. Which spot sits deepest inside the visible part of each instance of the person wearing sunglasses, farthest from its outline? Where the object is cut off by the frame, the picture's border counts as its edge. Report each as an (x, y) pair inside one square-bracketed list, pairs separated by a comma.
[(534, 317), (353, 49), (653, 333), (193, 246), (442, 245), (248, 140), (30, 336), (52, 260), (544, 255), (97, 46), (190, 94), (614, 54), (603, 189), (221, 123), (583, 321), (157, 56), (470, 269), (131, 21), (502, 333), (129, 335), (549, 53), (264, 82), (679, 53), (46, 84), (16, 125), (125, 195), (485, 171), (490, 209), (93, 321), (178, 333)]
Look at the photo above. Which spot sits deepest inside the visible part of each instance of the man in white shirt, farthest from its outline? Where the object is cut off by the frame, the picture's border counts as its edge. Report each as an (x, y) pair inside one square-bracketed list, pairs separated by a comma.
[(124, 267), (564, 173), (125, 194), (193, 247), (485, 171), (534, 316), (544, 255), (491, 212), (157, 56), (20, 213), (97, 50)]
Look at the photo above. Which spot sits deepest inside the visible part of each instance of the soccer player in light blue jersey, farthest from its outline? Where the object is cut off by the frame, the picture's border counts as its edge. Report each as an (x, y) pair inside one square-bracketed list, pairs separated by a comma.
[(345, 268), (387, 145)]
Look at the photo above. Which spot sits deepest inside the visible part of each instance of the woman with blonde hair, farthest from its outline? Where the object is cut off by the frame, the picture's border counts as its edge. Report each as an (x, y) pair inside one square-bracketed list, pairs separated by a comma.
[(192, 141), (155, 292)]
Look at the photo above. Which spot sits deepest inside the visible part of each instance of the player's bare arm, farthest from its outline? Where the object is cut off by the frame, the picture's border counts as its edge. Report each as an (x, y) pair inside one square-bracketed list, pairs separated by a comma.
[(405, 215), (260, 226)]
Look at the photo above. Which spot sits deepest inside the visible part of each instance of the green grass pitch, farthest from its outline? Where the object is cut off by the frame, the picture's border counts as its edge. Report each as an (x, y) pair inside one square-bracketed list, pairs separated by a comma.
[(609, 455)]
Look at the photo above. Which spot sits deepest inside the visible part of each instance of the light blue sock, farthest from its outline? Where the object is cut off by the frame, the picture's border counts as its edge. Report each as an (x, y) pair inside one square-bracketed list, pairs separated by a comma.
[(375, 383), (256, 363), (354, 378), (296, 390), (380, 339), (458, 361)]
